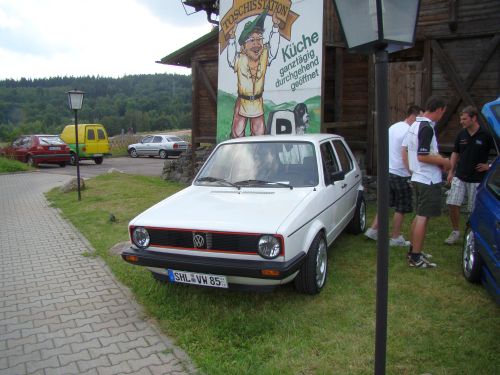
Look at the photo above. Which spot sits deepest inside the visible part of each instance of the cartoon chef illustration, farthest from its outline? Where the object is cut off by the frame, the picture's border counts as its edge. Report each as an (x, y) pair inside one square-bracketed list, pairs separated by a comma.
[(250, 64)]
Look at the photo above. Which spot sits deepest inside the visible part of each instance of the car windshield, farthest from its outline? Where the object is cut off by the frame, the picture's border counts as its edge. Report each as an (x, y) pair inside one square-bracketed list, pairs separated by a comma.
[(174, 139), (261, 164), (51, 140)]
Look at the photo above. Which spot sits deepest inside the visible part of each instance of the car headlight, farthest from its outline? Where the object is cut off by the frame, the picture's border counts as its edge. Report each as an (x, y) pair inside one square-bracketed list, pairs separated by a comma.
[(269, 246), (140, 237)]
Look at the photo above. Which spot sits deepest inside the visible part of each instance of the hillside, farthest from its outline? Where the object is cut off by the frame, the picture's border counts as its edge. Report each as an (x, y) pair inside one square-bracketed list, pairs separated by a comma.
[(142, 102)]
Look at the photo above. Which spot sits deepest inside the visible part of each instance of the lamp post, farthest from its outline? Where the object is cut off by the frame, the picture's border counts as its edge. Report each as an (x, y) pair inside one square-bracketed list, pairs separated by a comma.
[(75, 101), (380, 27)]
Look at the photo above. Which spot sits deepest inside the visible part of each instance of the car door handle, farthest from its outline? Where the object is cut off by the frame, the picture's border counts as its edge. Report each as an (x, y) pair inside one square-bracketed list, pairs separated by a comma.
[(344, 186)]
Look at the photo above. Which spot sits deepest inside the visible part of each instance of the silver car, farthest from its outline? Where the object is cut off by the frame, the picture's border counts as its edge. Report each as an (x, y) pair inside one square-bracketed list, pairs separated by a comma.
[(162, 145)]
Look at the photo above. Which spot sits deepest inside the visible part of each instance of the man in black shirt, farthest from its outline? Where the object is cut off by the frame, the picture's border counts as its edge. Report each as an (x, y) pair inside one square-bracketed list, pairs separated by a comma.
[(469, 164)]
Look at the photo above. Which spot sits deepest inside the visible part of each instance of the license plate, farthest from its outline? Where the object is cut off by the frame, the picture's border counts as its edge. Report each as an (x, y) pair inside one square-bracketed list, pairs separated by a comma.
[(204, 279), (54, 148)]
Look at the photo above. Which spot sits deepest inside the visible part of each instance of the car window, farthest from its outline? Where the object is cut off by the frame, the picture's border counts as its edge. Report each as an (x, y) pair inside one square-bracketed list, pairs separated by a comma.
[(90, 134), (147, 139), (330, 164), (100, 134), (54, 140), (174, 139), (343, 155), (493, 182), (262, 164), (157, 139), (17, 142)]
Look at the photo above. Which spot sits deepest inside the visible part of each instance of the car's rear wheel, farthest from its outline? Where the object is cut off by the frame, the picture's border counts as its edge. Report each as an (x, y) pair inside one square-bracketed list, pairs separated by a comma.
[(98, 160), (358, 222), (312, 274), (471, 260), (133, 153), (62, 165), (163, 154), (72, 159)]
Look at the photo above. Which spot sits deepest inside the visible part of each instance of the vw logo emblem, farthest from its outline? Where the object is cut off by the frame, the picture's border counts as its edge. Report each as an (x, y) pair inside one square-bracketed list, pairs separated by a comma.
[(198, 241)]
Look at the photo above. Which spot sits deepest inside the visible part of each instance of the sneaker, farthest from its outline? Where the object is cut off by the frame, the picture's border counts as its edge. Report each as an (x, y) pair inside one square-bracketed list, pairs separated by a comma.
[(421, 262), (371, 234), (399, 241), (453, 238), (425, 255)]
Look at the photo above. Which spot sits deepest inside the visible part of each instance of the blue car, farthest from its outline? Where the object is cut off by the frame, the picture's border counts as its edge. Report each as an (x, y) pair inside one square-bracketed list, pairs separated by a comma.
[(481, 249)]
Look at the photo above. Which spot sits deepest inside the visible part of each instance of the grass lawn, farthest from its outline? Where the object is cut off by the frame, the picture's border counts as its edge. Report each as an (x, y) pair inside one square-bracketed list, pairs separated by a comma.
[(10, 166), (438, 323)]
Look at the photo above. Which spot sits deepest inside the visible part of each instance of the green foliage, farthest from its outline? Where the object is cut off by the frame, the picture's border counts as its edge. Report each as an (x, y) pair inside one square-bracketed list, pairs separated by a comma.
[(144, 103), (10, 166), (437, 322)]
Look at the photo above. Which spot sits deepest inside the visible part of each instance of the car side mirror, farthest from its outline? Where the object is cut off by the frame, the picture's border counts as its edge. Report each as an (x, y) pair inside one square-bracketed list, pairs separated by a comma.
[(337, 176)]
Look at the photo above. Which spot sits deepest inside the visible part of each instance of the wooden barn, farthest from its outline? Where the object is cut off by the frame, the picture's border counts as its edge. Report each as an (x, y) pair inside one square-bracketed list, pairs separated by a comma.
[(456, 55)]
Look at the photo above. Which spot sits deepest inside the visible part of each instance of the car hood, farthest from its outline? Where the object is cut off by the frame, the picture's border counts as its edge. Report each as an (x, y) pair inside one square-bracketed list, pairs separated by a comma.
[(253, 210)]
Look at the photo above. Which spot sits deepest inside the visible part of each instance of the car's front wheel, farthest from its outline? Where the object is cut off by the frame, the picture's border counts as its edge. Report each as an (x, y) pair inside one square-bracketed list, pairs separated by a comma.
[(163, 154), (312, 274), (98, 160), (133, 153), (30, 161), (471, 260), (358, 223), (72, 159)]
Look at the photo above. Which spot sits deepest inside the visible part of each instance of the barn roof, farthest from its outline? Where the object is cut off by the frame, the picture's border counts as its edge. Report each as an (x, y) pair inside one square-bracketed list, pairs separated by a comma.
[(182, 57)]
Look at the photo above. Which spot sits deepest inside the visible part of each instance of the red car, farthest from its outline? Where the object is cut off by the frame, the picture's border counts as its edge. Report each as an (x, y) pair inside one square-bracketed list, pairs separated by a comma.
[(38, 149)]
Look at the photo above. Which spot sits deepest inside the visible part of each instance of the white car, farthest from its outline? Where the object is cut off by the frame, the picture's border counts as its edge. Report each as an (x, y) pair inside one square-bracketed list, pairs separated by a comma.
[(158, 145), (262, 211)]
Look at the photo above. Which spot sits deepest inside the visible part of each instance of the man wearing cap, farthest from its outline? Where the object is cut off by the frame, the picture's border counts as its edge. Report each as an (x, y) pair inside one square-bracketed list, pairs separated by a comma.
[(250, 65)]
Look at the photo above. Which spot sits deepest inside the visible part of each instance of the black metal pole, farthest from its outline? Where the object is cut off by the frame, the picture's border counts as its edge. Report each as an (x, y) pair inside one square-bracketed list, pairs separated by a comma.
[(77, 157), (382, 108)]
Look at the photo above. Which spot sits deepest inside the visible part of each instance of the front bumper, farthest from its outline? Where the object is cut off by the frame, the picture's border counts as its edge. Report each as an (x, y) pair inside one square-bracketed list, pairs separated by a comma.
[(219, 266)]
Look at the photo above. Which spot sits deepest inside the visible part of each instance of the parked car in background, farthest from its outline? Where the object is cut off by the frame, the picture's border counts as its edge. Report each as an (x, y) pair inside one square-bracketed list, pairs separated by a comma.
[(93, 143), (38, 149), (481, 248), (262, 211), (162, 145)]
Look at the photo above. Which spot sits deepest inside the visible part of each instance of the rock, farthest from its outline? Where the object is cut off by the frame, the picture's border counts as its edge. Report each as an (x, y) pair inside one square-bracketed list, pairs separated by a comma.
[(119, 247), (115, 170), (72, 185)]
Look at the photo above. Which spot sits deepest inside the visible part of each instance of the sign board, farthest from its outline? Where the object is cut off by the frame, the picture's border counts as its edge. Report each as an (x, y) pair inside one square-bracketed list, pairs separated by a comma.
[(270, 67)]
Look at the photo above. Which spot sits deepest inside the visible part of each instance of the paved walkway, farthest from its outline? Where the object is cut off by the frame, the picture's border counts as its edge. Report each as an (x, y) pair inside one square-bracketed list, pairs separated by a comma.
[(62, 312)]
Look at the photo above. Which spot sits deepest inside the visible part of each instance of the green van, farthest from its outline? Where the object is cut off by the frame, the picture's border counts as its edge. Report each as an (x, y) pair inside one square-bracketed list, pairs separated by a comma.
[(93, 142)]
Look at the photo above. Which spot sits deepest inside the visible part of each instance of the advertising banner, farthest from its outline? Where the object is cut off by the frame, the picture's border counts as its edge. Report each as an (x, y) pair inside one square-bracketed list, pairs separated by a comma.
[(270, 66)]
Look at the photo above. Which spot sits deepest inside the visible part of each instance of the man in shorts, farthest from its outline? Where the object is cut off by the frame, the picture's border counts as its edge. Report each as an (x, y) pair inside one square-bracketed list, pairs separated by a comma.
[(469, 164), (399, 179), (426, 166)]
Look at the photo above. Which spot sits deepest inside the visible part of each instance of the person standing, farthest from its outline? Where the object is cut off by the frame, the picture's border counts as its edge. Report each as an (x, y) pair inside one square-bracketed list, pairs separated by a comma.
[(426, 166), (399, 179), (469, 164)]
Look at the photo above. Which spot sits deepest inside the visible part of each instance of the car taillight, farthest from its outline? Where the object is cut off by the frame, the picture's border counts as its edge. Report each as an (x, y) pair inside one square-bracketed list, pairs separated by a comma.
[(39, 147), (176, 145), (84, 149)]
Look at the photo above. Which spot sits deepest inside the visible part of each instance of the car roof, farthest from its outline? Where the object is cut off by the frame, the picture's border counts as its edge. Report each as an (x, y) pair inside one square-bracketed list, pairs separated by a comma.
[(492, 113), (315, 138)]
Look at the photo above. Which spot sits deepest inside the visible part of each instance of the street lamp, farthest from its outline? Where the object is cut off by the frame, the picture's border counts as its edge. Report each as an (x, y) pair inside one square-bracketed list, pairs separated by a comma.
[(380, 27), (75, 101)]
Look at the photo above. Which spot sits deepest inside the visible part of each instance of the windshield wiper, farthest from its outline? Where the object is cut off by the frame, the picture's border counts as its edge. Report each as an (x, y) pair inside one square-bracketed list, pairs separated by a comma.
[(262, 182), (215, 179)]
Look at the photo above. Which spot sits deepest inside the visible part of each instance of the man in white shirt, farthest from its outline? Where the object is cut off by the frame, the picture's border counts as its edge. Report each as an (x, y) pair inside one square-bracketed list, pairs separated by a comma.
[(427, 167), (399, 179)]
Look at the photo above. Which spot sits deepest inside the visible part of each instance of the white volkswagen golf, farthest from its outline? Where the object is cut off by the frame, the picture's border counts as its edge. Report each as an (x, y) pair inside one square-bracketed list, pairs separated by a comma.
[(262, 212)]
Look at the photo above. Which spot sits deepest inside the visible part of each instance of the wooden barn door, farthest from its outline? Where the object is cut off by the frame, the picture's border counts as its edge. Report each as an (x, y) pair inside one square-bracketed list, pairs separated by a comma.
[(405, 88)]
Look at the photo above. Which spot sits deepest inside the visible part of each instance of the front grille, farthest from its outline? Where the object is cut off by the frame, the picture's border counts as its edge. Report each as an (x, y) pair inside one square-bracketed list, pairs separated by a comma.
[(206, 241)]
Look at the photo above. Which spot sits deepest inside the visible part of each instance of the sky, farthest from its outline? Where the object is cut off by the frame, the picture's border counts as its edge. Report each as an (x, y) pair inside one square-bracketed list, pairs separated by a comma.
[(107, 38)]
